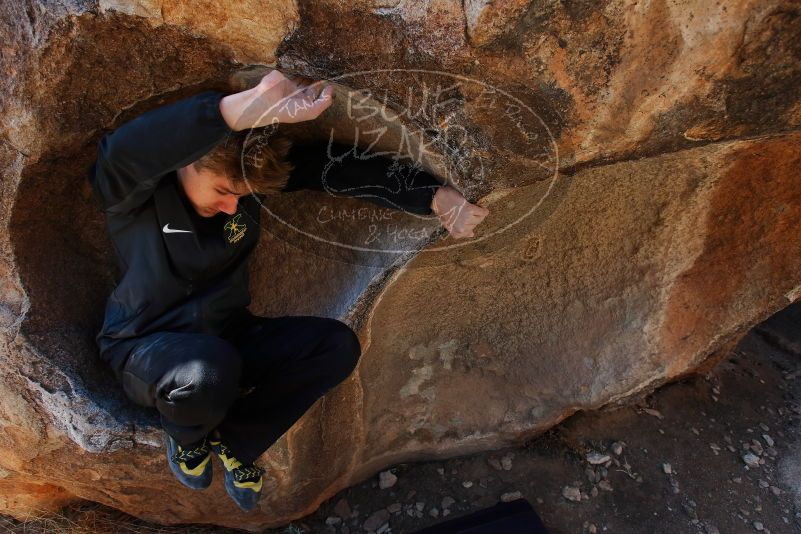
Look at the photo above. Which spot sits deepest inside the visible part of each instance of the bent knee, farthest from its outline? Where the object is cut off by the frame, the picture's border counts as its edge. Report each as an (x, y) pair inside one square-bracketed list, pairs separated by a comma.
[(207, 381)]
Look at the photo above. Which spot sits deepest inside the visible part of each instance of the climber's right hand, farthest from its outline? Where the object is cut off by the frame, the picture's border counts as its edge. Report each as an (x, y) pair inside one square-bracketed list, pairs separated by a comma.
[(276, 99)]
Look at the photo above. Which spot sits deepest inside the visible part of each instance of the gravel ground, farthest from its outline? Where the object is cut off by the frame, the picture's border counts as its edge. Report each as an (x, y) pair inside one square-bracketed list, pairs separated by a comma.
[(708, 454)]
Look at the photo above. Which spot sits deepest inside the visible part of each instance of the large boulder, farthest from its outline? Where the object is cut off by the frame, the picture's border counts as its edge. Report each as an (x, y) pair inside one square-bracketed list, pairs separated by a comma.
[(639, 160)]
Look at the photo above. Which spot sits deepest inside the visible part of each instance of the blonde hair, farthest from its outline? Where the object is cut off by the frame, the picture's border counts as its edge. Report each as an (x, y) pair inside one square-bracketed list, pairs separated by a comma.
[(253, 155)]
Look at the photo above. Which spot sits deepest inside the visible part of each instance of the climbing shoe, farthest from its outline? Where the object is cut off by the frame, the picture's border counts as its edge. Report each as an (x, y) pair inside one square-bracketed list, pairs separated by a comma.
[(242, 482), (191, 465)]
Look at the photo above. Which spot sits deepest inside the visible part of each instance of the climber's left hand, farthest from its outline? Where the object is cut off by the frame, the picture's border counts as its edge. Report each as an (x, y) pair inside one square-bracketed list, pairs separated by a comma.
[(456, 214)]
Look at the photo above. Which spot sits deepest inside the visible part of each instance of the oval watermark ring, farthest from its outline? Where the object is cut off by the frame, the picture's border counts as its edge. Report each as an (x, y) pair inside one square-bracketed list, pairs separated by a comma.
[(512, 112)]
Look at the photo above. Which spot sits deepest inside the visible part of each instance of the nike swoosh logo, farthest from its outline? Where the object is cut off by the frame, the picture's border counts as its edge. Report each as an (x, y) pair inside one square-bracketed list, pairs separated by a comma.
[(168, 230)]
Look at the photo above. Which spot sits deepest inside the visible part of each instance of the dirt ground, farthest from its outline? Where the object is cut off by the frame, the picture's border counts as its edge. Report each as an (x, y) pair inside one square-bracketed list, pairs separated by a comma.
[(676, 461)]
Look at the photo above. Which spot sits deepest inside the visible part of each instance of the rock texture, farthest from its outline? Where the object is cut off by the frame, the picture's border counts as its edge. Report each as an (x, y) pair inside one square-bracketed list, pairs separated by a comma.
[(639, 160)]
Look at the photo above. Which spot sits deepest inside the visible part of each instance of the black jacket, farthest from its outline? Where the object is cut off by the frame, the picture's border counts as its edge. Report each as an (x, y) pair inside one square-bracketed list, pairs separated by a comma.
[(196, 278)]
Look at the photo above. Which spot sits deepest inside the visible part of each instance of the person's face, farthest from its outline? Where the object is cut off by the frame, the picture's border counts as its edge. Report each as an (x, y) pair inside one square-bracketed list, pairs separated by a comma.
[(210, 193)]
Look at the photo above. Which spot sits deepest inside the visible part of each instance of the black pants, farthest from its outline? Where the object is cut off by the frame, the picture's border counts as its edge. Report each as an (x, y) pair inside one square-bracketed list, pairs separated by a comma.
[(251, 383)]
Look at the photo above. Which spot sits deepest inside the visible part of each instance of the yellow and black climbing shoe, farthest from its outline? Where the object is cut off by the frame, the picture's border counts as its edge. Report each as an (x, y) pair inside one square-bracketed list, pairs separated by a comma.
[(191, 465), (242, 482)]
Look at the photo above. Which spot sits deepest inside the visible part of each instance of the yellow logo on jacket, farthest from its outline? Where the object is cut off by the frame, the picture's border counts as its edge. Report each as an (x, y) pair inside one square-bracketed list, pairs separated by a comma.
[(236, 230)]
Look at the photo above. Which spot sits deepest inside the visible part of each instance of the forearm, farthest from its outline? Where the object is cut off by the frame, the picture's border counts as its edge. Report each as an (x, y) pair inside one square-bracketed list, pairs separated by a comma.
[(376, 179), (420, 202), (237, 109)]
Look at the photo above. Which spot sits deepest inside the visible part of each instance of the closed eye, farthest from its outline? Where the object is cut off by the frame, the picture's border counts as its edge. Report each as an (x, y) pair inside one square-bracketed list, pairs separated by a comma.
[(228, 193)]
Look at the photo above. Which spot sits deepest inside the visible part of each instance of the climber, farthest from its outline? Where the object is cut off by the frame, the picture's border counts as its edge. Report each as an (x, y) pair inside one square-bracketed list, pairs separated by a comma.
[(182, 206)]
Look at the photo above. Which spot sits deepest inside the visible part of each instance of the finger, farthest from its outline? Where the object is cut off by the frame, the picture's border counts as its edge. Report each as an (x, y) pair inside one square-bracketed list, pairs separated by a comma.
[(475, 208), (321, 104), (325, 99), (322, 87), (304, 94), (324, 92), (300, 80), (314, 89)]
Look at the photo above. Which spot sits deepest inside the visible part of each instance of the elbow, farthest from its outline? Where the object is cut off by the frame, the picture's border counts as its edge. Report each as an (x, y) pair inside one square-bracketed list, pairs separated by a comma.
[(115, 147)]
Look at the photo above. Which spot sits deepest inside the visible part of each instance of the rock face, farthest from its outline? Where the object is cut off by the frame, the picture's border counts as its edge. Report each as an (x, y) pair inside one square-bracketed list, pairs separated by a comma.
[(639, 160)]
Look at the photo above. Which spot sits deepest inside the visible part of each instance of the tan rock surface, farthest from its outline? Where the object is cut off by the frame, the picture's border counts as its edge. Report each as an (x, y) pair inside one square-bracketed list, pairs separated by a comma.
[(582, 288)]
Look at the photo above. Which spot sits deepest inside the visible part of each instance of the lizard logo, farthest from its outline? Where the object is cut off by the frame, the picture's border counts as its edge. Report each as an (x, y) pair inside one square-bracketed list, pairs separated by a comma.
[(235, 230)]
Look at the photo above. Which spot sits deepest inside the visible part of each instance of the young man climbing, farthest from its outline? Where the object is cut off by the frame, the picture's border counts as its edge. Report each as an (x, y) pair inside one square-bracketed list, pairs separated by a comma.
[(181, 206)]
